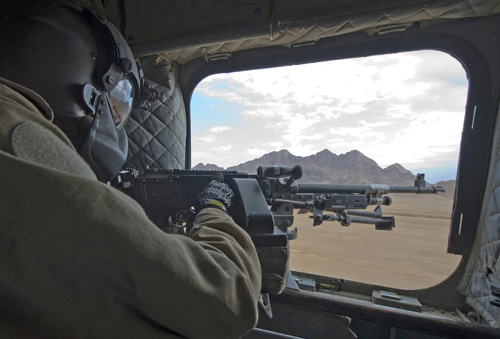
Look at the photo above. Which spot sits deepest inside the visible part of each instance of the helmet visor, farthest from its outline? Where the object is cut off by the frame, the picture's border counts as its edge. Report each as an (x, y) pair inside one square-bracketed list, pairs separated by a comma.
[(121, 99)]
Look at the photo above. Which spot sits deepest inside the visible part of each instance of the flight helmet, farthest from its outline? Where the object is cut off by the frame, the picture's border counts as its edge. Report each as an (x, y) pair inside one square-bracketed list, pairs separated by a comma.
[(83, 67)]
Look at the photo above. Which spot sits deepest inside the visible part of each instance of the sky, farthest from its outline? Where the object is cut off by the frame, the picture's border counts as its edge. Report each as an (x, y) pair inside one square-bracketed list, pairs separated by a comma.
[(405, 108)]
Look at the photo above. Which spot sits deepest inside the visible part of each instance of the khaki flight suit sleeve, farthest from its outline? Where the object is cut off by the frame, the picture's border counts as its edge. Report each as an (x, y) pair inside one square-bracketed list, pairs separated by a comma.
[(78, 237), (89, 261)]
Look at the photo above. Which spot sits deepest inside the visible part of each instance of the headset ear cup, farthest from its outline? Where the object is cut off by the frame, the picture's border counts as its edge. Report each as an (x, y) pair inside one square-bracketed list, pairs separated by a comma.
[(123, 58), (72, 58), (67, 55)]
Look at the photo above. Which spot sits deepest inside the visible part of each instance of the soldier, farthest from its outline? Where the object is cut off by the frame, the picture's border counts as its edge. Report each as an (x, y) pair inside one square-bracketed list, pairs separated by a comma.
[(79, 258)]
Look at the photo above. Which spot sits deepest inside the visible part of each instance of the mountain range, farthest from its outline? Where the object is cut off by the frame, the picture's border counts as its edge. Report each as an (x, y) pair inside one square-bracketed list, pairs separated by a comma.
[(326, 167)]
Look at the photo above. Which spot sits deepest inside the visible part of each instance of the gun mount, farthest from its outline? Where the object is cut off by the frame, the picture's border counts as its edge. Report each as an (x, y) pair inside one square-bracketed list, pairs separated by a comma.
[(264, 205), (344, 200), (168, 195)]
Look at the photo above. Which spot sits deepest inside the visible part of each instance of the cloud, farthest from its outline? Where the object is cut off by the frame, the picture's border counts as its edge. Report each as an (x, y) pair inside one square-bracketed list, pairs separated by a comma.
[(218, 129), (384, 106), (375, 124), (255, 152)]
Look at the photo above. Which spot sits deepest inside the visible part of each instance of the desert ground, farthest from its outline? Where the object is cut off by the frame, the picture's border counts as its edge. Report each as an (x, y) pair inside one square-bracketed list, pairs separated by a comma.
[(411, 256)]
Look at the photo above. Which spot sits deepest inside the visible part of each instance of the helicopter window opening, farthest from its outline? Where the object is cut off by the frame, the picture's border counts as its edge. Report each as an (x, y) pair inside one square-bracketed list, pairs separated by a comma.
[(386, 117)]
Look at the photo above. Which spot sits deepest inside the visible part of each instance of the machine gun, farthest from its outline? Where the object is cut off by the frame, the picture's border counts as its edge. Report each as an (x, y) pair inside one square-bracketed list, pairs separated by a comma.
[(264, 205), (344, 200)]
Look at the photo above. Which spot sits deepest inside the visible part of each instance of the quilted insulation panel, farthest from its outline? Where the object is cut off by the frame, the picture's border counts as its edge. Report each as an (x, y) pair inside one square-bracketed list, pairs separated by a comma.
[(173, 28), (157, 137), (487, 269)]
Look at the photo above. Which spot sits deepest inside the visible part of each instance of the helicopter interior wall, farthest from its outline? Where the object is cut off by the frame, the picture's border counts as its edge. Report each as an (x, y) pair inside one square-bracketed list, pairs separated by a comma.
[(172, 29), (485, 271), (157, 135), (460, 39), (306, 315), (464, 39), (470, 40)]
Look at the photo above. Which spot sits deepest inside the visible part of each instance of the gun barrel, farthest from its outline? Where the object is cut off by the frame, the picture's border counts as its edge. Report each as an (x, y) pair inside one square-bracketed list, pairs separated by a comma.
[(361, 189), (417, 189), (319, 188)]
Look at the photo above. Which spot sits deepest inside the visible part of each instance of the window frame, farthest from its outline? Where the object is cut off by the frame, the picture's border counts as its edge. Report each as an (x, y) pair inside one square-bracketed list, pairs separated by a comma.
[(460, 40)]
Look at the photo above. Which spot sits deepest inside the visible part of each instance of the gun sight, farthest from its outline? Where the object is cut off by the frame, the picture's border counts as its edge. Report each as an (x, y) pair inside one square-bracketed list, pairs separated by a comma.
[(294, 172)]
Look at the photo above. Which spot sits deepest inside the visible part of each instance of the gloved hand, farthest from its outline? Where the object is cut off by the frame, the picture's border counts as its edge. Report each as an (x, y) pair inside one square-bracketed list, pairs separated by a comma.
[(215, 194)]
